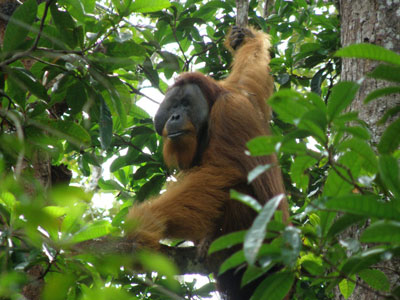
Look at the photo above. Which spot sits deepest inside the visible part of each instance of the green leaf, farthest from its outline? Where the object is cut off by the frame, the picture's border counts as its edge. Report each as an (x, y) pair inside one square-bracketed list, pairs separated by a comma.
[(287, 104), (55, 211), (375, 279), (390, 139), (76, 97), (312, 264), (389, 114), (344, 222), (369, 51), (341, 97), (291, 246), (233, 261), (335, 184), (347, 287), (246, 199), (389, 172), (382, 232), (227, 241), (105, 124), (65, 25), (276, 287), (151, 187), (71, 131), (364, 205), (381, 92), (92, 231), (315, 122), (263, 145), (25, 80), (257, 171), (147, 6), (151, 74), (125, 49), (363, 150), (170, 61), (386, 72), (256, 234), (159, 263), (355, 264), (355, 131), (251, 274), (316, 82), (297, 171), (19, 25)]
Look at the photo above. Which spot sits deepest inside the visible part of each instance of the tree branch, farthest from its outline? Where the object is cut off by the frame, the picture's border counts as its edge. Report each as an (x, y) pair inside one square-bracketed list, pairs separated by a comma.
[(185, 258), (242, 15)]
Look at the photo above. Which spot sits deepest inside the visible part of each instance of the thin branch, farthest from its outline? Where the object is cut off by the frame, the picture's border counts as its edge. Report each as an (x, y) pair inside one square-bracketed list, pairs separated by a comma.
[(162, 289), (36, 42), (359, 283), (206, 49), (137, 92), (128, 143), (48, 63), (242, 15), (179, 44), (185, 258)]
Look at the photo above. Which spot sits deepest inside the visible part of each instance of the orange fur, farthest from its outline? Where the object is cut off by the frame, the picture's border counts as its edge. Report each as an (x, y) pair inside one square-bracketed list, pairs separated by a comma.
[(198, 206), (179, 153)]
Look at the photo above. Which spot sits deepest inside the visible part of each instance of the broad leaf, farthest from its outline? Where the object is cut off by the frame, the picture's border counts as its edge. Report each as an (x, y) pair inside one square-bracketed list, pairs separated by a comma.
[(227, 241), (369, 51), (381, 92), (347, 287), (19, 25), (386, 72), (389, 171), (390, 139), (105, 124), (363, 205), (263, 145), (341, 97), (276, 286), (382, 232), (92, 231), (246, 199), (147, 6), (375, 279), (256, 234), (363, 150), (257, 171)]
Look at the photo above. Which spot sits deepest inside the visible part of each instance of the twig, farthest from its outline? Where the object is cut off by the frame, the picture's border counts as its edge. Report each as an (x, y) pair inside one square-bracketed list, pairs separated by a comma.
[(136, 91), (47, 63), (162, 289), (208, 48), (36, 42), (179, 44), (134, 147)]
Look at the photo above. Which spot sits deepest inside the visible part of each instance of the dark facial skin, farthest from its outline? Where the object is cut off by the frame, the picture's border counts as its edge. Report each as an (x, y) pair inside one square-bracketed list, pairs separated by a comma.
[(181, 105)]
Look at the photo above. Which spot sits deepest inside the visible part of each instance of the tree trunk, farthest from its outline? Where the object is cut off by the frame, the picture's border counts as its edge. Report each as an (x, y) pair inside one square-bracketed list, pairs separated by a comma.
[(376, 22)]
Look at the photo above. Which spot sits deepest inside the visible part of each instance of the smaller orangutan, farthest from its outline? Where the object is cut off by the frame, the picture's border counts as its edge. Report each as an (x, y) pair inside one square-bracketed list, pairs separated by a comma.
[(205, 125)]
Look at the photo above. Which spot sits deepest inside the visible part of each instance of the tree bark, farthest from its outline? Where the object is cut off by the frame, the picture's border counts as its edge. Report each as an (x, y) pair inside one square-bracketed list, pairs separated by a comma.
[(376, 22), (242, 15)]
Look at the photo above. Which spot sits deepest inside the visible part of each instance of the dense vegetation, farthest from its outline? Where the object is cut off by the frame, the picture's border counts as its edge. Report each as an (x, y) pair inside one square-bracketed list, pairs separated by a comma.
[(72, 73)]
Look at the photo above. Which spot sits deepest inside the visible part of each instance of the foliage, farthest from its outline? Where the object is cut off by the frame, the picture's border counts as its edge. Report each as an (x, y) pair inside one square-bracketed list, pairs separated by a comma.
[(72, 75)]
